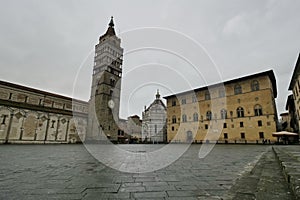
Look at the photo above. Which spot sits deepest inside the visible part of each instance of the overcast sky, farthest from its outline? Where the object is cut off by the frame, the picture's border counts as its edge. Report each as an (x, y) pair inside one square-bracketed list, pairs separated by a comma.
[(46, 44)]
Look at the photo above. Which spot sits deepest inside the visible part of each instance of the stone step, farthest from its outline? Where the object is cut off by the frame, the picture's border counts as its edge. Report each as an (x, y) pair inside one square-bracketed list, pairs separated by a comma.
[(289, 163), (264, 181)]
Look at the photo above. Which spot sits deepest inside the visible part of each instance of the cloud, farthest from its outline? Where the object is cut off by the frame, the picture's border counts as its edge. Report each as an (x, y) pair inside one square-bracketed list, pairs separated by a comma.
[(236, 26), (44, 43)]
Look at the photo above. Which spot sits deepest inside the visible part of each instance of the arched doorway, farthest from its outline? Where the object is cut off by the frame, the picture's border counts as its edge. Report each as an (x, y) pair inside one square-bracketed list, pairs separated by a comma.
[(189, 136)]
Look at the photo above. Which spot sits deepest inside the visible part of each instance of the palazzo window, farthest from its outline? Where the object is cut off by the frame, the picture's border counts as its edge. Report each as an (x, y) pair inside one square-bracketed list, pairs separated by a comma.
[(208, 115), (243, 136), (194, 99), (237, 89), (223, 114), (174, 119), (259, 123), (222, 92), (184, 118), (240, 112), (258, 110), (241, 124), (261, 135), (207, 95), (255, 85), (195, 117), (173, 102)]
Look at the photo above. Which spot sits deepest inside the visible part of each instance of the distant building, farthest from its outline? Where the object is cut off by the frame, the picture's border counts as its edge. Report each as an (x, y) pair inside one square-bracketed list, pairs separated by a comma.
[(28, 115), (295, 88), (241, 110), (154, 121), (291, 120), (134, 128), (285, 121)]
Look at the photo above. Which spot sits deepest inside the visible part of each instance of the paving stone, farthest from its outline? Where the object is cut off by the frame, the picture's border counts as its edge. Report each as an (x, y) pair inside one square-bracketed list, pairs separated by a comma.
[(156, 183), (102, 189), (131, 184), (149, 194), (99, 195), (133, 189), (180, 198), (265, 181), (70, 172), (186, 187), (160, 188), (187, 193)]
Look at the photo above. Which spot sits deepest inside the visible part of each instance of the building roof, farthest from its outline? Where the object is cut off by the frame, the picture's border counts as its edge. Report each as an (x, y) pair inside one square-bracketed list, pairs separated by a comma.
[(110, 31), (157, 101), (269, 73), (284, 114), (289, 102), (295, 74), (134, 116), (29, 89)]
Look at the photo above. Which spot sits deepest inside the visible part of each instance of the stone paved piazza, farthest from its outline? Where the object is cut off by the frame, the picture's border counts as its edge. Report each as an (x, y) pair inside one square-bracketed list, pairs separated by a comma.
[(70, 172)]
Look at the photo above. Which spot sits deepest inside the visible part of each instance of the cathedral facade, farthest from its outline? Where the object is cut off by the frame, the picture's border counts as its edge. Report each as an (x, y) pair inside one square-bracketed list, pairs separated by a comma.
[(154, 122), (28, 115)]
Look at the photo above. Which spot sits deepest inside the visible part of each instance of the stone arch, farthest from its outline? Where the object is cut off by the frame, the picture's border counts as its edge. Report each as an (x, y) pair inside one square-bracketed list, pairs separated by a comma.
[(42, 123), (189, 136), (30, 125), (5, 115), (63, 126), (16, 131)]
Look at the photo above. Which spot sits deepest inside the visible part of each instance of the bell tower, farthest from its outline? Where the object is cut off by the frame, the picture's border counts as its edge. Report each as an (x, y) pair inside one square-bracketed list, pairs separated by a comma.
[(104, 101)]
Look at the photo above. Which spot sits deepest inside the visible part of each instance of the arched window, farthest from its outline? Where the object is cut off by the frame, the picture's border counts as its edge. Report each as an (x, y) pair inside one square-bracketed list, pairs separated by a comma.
[(255, 85), (208, 115), (258, 110), (237, 89), (112, 82), (221, 92), (189, 136), (240, 112), (174, 119), (173, 102), (223, 114), (184, 119), (207, 95), (195, 117), (194, 99)]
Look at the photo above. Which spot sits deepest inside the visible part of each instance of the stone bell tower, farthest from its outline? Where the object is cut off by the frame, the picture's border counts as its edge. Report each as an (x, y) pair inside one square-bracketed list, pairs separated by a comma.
[(106, 87)]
